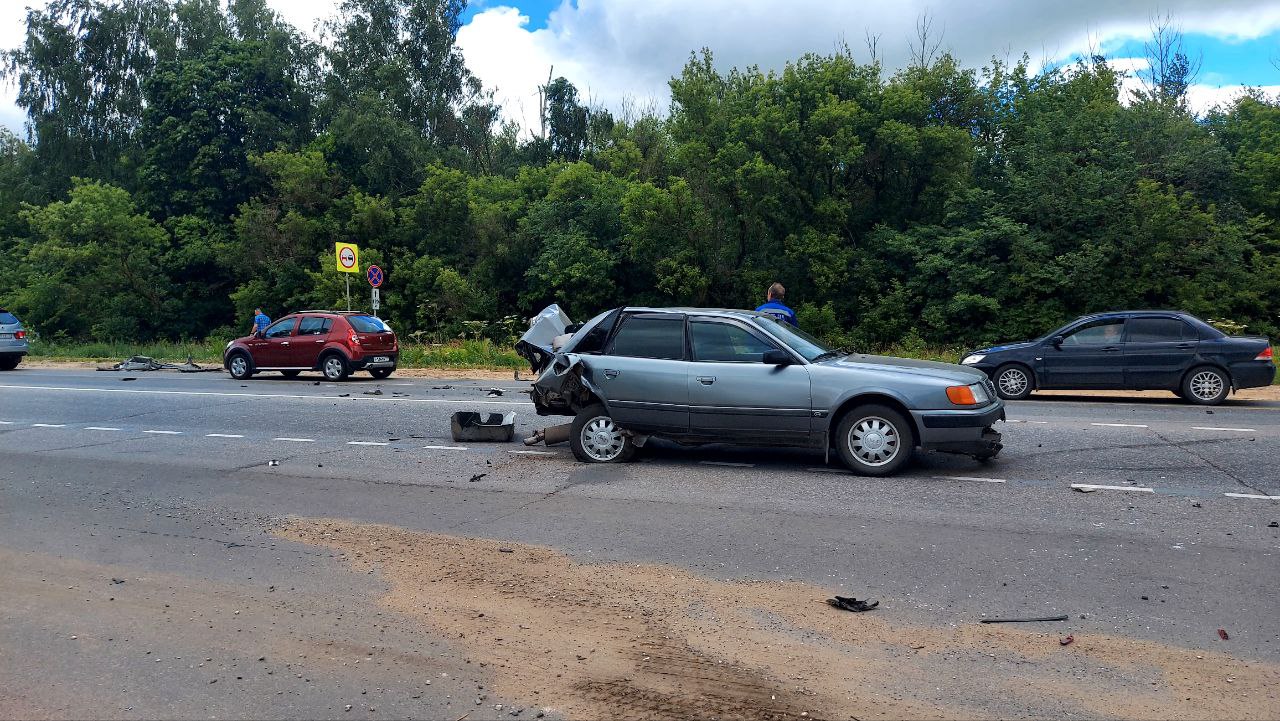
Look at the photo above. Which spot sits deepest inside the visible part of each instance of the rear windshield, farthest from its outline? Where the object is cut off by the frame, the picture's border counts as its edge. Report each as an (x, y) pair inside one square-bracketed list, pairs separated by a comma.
[(367, 324), (7, 318)]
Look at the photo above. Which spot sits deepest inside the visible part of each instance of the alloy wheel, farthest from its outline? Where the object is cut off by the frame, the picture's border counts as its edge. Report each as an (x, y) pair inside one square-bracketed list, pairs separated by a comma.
[(602, 439), (1206, 385), (333, 368), (1013, 382), (239, 366), (874, 441)]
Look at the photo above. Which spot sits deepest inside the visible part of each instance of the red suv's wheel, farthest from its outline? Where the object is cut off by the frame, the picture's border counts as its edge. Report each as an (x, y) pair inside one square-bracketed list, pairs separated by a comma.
[(239, 366), (334, 367)]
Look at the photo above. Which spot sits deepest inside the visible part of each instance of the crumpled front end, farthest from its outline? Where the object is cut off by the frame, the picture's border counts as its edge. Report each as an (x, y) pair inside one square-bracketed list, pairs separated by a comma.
[(561, 387)]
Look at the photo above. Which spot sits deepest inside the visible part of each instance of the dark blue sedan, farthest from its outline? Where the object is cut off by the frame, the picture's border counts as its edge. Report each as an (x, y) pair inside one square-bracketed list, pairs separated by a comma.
[(1130, 350)]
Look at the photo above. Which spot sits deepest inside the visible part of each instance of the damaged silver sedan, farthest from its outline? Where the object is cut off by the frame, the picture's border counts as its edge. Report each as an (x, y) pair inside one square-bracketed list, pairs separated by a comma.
[(696, 376)]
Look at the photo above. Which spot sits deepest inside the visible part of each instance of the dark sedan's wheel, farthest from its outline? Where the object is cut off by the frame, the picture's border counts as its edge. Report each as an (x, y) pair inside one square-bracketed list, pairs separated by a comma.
[(1013, 382), (874, 440), (381, 373), (239, 367), (595, 438), (334, 367), (1205, 386), (290, 374)]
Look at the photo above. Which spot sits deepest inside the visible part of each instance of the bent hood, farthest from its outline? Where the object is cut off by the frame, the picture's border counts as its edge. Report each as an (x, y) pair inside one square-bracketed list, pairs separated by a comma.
[(537, 345), (949, 372)]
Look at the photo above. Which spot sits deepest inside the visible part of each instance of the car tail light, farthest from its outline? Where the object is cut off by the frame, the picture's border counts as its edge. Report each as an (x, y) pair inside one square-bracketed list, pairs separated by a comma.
[(23, 334), (1264, 355), (961, 396)]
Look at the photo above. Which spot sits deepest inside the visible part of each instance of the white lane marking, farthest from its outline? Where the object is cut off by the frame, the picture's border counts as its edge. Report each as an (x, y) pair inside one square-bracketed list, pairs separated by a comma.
[(1095, 487), (366, 443), (534, 453), (971, 478), (296, 440), (1039, 423), (1252, 495), (444, 401), (165, 433), (445, 448), (223, 435), (6, 423), (100, 428), (1120, 425), (728, 464), (1019, 420), (48, 425), (1212, 428)]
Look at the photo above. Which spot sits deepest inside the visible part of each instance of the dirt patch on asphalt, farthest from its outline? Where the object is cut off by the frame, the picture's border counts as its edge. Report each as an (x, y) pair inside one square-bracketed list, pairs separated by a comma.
[(653, 642)]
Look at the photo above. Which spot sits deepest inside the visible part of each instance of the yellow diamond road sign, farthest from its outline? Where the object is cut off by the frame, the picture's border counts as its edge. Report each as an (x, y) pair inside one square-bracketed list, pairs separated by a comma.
[(348, 258)]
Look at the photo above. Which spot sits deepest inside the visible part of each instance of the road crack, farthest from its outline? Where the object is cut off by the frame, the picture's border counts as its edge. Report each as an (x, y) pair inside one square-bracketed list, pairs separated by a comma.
[(1211, 464)]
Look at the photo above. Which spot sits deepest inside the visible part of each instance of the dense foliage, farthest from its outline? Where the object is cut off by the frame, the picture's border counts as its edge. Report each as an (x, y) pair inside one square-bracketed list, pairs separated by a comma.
[(190, 159)]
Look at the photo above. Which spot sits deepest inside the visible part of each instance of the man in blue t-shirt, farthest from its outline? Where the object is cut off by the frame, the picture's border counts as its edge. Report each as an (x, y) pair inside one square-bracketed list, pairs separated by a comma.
[(775, 307), (260, 321)]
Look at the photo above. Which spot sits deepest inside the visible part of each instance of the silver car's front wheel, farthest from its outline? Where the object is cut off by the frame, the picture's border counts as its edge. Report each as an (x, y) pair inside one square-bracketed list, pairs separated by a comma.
[(595, 437), (874, 440)]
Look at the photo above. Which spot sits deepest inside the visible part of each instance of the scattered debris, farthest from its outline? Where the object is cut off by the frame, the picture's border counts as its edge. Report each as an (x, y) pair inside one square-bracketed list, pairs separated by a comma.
[(273, 462), (1222, 634), (504, 549), (1273, 524), (1022, 620), (129, 379), (851, 604), (117, 581), (1081, 489), (535, 439), (316, 383), (441, 388), (550, 435), (476, 477), (493, 393), (1067, 641), (342, 395), (1209, 412), (143, 363), (917, 646), (472, 426), (374, 392)]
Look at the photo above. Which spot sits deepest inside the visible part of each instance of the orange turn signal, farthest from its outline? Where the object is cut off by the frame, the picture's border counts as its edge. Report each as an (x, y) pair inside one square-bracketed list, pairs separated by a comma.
[(961, 396)]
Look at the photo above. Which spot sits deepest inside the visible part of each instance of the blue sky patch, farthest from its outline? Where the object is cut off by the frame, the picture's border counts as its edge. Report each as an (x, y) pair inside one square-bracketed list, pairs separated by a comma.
[(1225, 62), (537, 10)]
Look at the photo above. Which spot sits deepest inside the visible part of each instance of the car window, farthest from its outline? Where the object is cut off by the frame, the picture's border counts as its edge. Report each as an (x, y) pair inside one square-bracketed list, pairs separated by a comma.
[(593, 340), (281, 328), (1159, 330), (650, 338), (7, 318), (723, 342), (311, 325), (367, 324), (1103, 332), (799, 341)]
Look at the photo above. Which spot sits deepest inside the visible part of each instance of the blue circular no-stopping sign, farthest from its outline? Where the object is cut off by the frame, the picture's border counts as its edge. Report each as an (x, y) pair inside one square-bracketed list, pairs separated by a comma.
[(375, 276)]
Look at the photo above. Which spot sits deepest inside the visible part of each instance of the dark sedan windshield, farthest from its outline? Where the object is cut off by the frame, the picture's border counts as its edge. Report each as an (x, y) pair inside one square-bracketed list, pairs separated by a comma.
[(799, 341)]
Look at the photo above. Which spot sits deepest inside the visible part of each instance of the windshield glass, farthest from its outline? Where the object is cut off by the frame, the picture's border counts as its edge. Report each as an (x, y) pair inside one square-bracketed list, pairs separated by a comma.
[(799, 341), (367, 324)]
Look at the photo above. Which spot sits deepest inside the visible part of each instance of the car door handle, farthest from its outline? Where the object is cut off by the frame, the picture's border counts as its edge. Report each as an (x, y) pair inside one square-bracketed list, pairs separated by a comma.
[(1110, 349), (1185, 346), (610, 373), (284, 342), (706, 380), (320, 341)]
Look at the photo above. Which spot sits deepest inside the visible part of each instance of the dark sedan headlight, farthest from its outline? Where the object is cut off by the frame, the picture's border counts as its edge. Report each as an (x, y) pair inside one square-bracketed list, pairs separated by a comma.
[(973, 359)]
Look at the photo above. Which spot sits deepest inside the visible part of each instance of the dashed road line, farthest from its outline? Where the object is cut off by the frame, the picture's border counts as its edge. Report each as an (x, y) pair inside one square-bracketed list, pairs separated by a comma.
[(367, 443), (971, 478), (1213, 428), (102, 428), (1096, 487), (48, 425), (1257, 496), (295, 440), (165, 433), (223, 435), (6, 423), (1120, 425), (445, 448)]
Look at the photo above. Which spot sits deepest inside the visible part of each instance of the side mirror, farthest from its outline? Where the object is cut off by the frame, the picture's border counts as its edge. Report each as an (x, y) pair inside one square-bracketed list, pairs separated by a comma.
[(776, 358), (1056, 341), (260, 334)]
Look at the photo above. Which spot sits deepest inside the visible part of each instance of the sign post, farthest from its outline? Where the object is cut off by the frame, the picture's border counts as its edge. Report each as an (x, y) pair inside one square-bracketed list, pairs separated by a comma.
[(375, 277), (348, 257)]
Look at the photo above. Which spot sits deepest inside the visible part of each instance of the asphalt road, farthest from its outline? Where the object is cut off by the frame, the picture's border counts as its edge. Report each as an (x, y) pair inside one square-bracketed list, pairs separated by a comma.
[(172, 484)]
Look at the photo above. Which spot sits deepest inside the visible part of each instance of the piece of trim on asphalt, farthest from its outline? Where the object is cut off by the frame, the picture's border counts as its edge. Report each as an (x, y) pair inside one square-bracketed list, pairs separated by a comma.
[(295, 440), (1120, 425), (1212, 428), (1256, 496), (165, 433), (366, 443), (223, 435), (445, 448), (101, 428), (48, 425), (971, 478), (534, 453), (1096, 487), (727, 464)]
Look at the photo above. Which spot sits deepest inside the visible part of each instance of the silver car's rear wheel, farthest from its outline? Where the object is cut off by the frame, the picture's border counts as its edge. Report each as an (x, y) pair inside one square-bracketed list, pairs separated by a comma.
[(595, 437), (874, 440)]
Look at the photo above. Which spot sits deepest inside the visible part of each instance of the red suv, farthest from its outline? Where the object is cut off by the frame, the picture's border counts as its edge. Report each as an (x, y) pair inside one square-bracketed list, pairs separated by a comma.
[(332, 342)]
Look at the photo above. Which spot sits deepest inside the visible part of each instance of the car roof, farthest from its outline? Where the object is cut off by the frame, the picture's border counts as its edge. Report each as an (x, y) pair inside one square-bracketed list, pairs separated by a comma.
[(721, 312), (330, 312), (1139, 313)]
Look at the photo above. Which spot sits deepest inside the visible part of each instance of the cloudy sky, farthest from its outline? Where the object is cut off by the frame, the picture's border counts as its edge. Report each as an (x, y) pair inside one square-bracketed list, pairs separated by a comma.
[(619, 51)]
